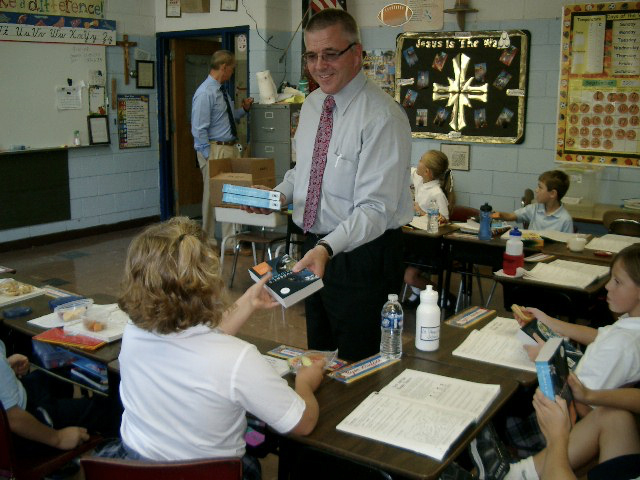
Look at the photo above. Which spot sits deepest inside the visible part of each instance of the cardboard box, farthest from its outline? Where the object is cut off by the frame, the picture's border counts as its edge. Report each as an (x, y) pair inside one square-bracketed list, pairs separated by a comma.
[(239, 171)]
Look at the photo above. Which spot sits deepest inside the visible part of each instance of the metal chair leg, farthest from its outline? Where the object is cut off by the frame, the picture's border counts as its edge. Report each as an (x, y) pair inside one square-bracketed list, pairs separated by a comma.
[(235, 263), (490, 297)]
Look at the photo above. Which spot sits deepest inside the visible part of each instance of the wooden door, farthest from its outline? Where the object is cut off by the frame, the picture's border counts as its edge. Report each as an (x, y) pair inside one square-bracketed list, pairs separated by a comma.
[(189, 66)]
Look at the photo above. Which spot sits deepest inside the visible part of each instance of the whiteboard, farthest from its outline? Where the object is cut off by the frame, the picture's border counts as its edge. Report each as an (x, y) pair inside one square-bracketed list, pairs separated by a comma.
[(29, 76)]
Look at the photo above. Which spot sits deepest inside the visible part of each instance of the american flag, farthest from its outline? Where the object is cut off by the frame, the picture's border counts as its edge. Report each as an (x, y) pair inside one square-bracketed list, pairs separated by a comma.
[(314, 6), (317, 5)]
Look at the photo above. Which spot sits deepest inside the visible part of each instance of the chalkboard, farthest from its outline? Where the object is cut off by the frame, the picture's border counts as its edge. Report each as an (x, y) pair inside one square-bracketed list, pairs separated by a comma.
[(29, 76), (465, 86)]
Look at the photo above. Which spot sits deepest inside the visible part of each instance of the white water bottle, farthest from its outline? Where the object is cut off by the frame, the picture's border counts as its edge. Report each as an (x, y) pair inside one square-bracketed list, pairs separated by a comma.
[(391, 323), (432, 216), (428, 321)]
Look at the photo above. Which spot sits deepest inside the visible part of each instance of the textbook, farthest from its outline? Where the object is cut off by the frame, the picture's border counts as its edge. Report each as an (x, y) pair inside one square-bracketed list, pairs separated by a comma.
[(59, 337), (565, 272), (499, 342), (251, 192), (545, 333), (421, 412), (611, 242), (251, 201), (286, 286), (553, 373)]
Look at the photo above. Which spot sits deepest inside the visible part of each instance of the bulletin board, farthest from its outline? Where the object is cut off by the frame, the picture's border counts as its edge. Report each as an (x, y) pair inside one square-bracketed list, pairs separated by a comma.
[(464, 86), (30, 75), (599, 91)]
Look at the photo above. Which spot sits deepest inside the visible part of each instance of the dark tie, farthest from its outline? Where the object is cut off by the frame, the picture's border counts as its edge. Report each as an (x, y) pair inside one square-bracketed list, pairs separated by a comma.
[(318, 162), (232, 121)]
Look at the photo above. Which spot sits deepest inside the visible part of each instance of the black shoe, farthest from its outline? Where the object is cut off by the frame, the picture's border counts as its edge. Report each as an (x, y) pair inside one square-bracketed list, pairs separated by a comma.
[(489, 455), (455, 472), (411, 304)]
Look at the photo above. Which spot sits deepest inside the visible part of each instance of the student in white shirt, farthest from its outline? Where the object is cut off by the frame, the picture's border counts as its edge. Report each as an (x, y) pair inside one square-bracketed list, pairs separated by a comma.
[(431, 179)]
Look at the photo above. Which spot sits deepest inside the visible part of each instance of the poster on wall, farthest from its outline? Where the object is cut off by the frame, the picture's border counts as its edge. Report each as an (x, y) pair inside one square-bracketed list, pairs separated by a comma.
[(380, 66), (599, 91), (133, 121), (464, 86)]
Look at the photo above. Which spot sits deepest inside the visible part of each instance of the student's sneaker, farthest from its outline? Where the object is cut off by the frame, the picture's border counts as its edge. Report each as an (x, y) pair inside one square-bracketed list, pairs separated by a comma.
[(455, 472), (489, 455)]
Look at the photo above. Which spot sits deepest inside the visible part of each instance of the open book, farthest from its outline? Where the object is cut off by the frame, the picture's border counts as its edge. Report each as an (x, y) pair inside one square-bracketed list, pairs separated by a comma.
[(565, 272), (500, 342), (421, 412), (612, 243)]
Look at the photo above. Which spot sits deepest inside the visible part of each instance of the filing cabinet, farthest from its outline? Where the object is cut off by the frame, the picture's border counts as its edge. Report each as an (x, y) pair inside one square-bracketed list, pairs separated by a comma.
[(271, 127)]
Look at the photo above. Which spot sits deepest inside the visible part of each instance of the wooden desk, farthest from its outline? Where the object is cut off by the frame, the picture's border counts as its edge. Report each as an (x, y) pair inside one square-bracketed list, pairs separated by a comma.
[(337, 400), (450, 339), (432, 245), (560, 250)]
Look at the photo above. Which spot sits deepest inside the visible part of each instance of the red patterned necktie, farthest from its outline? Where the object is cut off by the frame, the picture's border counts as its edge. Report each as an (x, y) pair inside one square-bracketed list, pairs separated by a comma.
[(318, 162)]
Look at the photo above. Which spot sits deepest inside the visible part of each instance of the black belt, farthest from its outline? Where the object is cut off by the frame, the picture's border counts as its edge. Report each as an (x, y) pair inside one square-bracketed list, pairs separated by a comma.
[(229, 143)]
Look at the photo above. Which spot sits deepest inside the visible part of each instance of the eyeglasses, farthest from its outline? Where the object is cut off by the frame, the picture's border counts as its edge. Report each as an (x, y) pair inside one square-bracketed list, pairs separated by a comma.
[(330, 56)]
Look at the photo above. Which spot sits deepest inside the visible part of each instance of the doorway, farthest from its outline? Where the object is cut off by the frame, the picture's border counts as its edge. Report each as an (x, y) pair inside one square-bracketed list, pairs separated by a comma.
[(183, 64)]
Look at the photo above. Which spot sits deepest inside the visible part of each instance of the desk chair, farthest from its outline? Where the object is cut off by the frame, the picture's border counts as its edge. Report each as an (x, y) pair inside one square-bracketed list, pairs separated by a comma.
[(622, 223), (208, 469), (18, 465), (264, 238)]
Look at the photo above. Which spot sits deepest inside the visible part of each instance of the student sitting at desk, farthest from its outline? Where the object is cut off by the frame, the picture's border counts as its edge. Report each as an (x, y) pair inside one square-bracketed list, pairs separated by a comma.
[(41, 410), (608, 433), (548, 213), (186, 381), (431, 179), (612, 357)]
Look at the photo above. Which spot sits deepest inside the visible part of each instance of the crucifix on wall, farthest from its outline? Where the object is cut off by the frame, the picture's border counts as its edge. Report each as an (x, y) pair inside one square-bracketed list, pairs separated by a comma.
[(125, 44)]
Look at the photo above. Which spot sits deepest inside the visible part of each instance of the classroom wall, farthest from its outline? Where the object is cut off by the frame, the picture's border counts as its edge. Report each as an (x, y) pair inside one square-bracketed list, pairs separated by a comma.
[(109, 185)]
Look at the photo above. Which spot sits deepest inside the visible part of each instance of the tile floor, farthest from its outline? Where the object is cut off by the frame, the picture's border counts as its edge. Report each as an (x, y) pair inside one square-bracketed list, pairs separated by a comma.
[(93, 266)]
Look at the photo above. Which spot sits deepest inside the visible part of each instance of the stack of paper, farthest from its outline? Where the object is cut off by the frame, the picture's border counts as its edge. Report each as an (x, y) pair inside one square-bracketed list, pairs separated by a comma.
[(611, 242), (421, 412), (564, 272)]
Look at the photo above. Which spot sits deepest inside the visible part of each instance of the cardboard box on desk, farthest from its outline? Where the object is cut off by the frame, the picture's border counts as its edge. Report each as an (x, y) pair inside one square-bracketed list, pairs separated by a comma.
[(239, 171)]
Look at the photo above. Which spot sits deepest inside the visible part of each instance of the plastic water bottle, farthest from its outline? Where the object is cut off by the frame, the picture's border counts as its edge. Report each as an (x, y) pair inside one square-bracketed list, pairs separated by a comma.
[(432, 216), (484, 233), (391, 322), (513, 256), (428, 321)]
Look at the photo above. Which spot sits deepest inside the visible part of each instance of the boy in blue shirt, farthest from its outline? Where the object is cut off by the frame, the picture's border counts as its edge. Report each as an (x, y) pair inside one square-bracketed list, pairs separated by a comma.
[(548, 213)]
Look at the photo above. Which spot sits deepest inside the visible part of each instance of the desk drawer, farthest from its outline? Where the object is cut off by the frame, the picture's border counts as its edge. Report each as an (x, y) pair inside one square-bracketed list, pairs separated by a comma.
[(280, 152), (272, 123)]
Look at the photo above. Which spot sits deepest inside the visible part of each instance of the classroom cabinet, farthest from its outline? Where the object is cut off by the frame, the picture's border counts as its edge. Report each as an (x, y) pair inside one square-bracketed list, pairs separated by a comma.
[(271, 128)]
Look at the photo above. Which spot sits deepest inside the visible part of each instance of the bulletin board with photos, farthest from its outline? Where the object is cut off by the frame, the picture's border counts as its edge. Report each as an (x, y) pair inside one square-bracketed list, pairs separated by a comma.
[(599, 91), (464, 86)]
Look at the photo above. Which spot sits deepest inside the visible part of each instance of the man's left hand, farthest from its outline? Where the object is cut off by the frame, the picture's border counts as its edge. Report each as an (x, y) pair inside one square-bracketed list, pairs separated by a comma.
[(315, 260), (246, 103)]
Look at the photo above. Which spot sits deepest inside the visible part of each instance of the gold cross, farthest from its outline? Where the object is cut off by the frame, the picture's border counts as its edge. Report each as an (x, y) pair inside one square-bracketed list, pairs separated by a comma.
[(125, 44)]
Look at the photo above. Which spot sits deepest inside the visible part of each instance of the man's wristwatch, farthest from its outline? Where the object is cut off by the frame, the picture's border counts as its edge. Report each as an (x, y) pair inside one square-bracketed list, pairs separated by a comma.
[(324, 244)]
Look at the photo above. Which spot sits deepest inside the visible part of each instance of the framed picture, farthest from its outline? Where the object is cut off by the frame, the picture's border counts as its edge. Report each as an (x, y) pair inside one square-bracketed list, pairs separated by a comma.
[(173, 9), (457, 154), (145, 74), (228, 5), (98, 130)]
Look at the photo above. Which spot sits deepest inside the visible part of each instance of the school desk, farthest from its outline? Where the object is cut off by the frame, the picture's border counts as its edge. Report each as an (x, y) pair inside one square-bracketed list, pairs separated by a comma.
[(337, 452), (450, 339), (17, 334)]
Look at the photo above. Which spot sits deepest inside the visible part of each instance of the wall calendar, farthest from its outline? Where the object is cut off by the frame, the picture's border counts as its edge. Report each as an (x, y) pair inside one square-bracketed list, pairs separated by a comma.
[(599, 92)]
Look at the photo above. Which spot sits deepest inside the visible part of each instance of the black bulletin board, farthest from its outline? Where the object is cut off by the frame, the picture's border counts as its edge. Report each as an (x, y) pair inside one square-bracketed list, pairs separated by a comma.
[(465, 86)]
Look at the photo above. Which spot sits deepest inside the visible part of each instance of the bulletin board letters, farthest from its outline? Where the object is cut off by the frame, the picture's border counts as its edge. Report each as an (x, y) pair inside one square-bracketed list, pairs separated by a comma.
[(599, 92), (464, 86)]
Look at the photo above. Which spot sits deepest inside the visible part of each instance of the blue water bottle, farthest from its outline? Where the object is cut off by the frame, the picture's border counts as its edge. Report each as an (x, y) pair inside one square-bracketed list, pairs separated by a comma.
[(484, 233)]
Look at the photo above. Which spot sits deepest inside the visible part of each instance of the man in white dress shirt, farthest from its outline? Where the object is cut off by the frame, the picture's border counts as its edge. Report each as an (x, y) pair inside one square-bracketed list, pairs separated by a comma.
[(355, 241)]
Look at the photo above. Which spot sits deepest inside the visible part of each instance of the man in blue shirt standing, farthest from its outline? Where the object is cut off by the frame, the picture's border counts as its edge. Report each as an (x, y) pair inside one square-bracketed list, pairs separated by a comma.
[(213, 126)]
